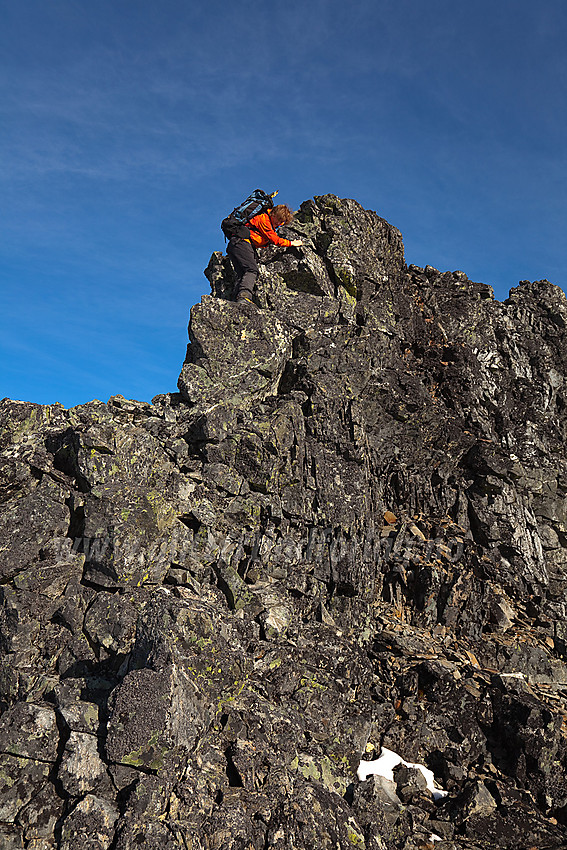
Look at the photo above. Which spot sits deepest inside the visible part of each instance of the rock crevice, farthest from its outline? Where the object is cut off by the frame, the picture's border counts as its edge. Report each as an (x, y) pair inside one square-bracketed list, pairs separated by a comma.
[(345, 532)]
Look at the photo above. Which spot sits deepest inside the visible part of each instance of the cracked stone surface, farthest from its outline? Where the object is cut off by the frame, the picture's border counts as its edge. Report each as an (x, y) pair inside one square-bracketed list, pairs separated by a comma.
[(346, 531)]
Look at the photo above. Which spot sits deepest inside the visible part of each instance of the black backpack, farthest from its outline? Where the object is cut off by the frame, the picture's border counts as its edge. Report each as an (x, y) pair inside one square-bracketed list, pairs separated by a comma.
[(256, 203)]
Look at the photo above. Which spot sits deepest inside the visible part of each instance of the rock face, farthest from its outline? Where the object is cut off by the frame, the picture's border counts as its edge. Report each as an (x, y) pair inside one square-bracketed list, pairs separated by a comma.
[(347, 531)]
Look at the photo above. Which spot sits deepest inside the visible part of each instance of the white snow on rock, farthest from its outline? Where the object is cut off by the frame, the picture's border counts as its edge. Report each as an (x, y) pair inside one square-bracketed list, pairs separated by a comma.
[(384, 766)]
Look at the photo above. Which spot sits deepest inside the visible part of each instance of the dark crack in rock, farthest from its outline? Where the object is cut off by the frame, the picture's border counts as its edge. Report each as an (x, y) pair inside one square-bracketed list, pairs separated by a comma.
[(346, 531)]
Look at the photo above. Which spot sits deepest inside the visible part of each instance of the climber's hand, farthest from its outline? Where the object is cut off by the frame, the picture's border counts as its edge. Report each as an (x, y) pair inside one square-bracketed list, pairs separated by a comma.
[(296, 243)]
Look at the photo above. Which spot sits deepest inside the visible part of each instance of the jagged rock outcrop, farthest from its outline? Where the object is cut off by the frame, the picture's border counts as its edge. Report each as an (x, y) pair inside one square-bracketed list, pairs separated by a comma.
[(346, 531)]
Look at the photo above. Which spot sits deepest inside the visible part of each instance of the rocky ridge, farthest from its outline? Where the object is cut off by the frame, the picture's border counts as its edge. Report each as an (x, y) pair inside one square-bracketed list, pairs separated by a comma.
[(346, 531)]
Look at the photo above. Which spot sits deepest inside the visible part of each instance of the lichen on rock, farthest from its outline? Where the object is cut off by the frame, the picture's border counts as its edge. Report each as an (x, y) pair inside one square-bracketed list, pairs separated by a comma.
[(346, 532)]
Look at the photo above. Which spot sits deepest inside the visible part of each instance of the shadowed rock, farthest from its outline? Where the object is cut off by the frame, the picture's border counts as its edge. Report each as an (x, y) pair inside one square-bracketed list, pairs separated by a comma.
[(346, 531)]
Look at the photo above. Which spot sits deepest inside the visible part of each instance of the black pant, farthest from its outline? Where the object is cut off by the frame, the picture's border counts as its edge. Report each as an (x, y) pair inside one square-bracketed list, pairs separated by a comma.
[(243, 258)]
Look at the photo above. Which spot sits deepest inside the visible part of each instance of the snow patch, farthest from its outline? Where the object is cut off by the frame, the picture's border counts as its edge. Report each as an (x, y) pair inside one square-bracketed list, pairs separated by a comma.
[(384, 766)]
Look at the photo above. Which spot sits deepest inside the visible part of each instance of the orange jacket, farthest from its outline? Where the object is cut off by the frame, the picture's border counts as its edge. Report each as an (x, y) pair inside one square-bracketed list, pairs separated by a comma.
[(267, 233)]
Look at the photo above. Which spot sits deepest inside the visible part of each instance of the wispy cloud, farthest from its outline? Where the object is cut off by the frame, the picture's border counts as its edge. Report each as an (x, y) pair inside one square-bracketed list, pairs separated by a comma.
[(127, 129)]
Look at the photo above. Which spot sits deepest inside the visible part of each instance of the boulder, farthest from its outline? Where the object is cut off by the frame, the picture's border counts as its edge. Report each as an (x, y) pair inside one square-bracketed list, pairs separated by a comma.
[(345, 534)]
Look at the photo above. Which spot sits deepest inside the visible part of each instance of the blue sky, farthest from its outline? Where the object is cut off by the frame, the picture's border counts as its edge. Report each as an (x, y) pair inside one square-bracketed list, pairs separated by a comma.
[(129, 128)]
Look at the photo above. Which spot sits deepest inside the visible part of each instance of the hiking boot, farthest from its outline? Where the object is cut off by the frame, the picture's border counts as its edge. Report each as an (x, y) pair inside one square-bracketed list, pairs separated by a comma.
[(242, 299)]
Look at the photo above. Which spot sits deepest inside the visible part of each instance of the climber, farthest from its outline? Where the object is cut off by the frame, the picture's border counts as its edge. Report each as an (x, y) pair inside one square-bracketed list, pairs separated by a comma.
[(242, 252)]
